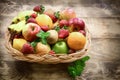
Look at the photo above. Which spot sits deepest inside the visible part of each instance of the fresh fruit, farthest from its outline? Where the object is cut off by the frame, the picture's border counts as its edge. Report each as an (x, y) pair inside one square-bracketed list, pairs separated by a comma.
[(27, 49), (30, 30), (77, 24), (44, 28), (71, 51), (15, 20), (17, 27), (34, 15), (67, 14), (40, 9), (51, 14), (18, 35), (42, 49), (31, 20), (51, 52), (21, 15), (63, 33), (18, 43), (63, 23), (83, 32), (44, 20), (76, 41), (53, 37), (60, 47)]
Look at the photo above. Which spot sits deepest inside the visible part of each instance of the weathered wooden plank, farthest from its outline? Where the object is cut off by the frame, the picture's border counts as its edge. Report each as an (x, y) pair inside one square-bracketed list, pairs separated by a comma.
[(89, 8)]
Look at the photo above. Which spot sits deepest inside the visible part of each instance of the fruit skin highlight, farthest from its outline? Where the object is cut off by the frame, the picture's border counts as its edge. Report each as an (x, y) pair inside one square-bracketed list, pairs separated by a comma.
[(18, 43), (44, 20), (76, 41)]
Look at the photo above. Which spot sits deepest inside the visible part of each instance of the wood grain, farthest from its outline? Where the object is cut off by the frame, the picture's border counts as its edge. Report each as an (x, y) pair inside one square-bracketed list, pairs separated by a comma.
[(102, 18)]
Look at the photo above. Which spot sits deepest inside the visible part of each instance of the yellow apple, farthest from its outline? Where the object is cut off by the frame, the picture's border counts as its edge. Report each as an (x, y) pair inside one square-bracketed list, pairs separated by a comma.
[(44, 20), (18, 43)]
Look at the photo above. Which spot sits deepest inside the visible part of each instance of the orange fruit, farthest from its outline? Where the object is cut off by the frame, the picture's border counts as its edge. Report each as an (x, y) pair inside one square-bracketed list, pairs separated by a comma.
[(44, 20), (76, 40)]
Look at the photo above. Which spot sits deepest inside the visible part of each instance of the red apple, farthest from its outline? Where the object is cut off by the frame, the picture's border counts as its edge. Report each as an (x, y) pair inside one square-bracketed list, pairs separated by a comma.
[(77, 24), (30, 30)]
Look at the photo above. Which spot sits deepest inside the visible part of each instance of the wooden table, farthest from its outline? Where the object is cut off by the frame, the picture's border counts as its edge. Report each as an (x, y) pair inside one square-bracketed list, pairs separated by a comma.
[(102, 18)]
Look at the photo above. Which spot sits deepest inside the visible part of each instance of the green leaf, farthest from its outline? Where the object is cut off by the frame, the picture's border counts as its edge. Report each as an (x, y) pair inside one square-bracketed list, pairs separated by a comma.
[(57, 28), (85, 58), (27, 17), (76, 68), (42, 9), (72, 71), (65, 27), (34, 43), (57, 14), (43, 36)]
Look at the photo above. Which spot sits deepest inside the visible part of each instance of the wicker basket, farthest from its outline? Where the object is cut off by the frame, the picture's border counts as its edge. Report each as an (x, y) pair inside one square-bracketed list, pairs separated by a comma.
[(48, 58)]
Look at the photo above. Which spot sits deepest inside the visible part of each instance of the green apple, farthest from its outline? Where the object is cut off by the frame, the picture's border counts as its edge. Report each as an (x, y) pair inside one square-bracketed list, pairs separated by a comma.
[(60, 47)]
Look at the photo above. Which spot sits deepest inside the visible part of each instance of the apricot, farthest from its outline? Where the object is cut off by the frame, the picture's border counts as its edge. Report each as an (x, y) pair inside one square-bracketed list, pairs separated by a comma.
[(76, 41)]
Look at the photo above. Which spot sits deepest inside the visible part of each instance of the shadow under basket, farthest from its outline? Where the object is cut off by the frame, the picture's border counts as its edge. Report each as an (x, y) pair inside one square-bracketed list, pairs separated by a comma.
[(48, 58)]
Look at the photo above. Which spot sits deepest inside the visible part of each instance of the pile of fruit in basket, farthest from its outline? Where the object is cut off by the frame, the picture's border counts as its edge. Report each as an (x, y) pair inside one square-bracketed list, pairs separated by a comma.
[(43, 31)]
